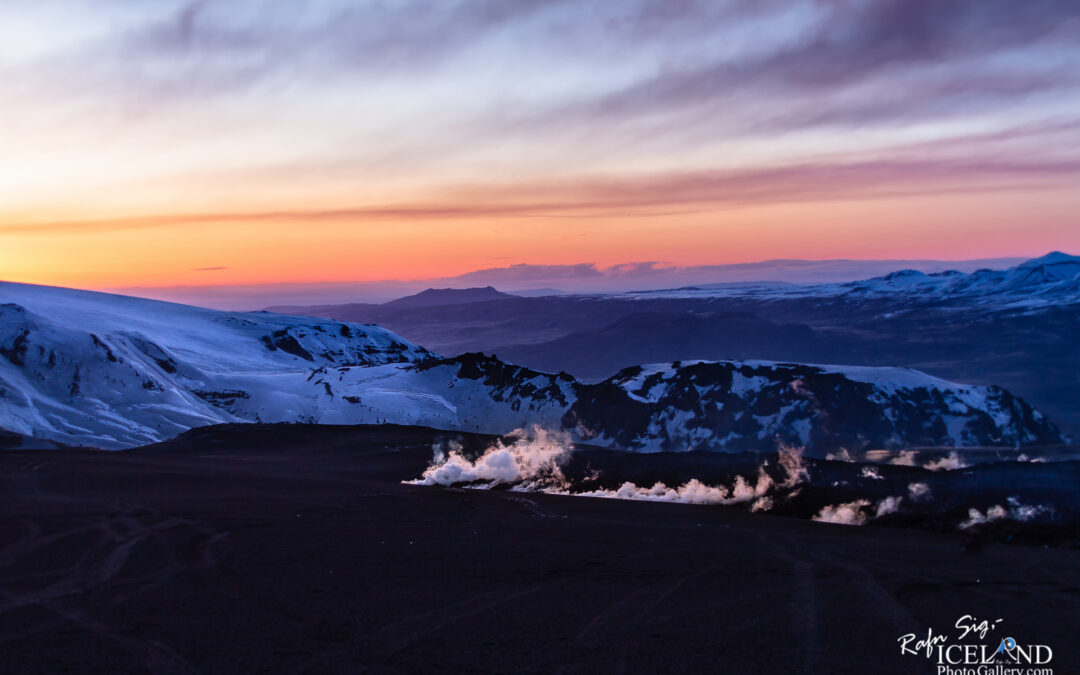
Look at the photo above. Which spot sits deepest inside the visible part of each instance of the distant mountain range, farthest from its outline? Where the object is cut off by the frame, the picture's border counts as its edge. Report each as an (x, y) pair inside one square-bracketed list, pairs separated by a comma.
[(85, 368), (1050, 279), (1053, 278), (535, 280), (1015, 327)]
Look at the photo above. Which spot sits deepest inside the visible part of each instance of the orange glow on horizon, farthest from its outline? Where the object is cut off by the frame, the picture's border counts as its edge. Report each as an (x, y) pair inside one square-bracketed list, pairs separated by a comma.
[(291, 249)]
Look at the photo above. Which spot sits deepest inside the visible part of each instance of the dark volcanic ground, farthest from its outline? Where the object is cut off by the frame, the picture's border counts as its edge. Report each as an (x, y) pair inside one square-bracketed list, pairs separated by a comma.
[(297, 549)]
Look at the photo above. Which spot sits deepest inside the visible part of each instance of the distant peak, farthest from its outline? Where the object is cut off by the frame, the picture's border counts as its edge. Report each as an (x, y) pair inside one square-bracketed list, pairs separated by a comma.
[(434, 297), (1052, 258), (473, 290), (901, 275)]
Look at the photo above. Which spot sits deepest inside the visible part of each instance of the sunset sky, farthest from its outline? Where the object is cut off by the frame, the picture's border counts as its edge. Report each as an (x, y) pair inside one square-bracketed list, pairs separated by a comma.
[(201, 143)]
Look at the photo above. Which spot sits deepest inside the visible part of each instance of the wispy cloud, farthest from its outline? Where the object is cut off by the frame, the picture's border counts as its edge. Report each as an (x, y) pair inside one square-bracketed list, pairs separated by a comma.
[(374, 114), (853, 42), (523, 272), (651, 196)]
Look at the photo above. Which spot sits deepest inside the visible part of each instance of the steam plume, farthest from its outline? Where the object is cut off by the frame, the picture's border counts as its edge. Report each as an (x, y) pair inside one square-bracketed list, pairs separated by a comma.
[(534, 455), (850, 513), (919, 492), (1016, 511)]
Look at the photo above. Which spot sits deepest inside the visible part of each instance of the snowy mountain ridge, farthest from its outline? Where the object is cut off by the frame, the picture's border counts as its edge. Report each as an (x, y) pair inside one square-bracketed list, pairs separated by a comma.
[(1051, 279), (110, 371)]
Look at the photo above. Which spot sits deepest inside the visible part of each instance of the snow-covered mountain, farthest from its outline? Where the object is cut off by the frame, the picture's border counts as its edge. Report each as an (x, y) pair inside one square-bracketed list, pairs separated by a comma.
[(1048, 280), (97, 369), (112, 371), (1053, 278), (743, 405)]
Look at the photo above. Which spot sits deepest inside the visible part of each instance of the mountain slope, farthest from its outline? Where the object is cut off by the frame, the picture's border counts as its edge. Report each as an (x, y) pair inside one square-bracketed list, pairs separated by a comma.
[(654, 336), (109, 371), (92, 368)]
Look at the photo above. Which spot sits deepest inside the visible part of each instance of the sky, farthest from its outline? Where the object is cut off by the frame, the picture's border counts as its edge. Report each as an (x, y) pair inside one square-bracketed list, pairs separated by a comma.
[(172, 144)]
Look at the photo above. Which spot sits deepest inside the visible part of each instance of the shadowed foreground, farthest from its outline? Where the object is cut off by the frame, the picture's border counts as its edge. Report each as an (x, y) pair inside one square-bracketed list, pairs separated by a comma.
[(296, 549)]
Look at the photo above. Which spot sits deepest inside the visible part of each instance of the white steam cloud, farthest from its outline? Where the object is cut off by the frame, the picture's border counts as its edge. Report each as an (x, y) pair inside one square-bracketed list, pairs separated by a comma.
[(692, 492), (842, 456), (741, 491), (1015, 511), (904, 458), (534, 455), (919, 492), (849, 513), (858, 512), (791, 461), (532, 461), (887, 506), (950, 462)]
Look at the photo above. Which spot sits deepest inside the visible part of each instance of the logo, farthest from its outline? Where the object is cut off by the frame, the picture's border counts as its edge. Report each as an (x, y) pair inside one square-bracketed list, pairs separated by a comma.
[(974, 649)]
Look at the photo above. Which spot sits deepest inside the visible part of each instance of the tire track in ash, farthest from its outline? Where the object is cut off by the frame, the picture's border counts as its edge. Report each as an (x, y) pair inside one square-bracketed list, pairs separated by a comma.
[(804, 601), (629, 612), (121, 533), (808, 563), (535, 509), (182, 546)]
